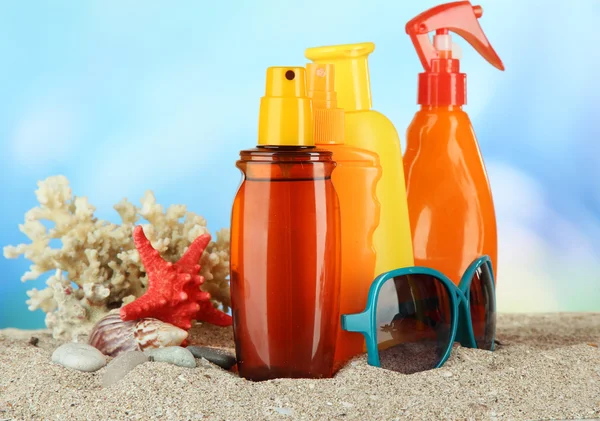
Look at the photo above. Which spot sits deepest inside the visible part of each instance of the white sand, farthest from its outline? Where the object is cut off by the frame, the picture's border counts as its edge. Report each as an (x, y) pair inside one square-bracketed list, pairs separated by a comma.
[(548, 367)]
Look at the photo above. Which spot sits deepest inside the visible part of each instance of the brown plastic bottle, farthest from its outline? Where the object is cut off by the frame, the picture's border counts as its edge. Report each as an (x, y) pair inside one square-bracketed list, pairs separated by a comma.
[(285, 242)]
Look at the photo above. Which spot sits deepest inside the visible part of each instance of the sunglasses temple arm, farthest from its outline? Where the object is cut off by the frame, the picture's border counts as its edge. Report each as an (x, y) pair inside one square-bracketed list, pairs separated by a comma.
[(357, 322)]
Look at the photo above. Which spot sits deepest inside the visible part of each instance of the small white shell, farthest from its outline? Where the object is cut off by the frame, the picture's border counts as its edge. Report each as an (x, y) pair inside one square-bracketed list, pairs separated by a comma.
[(112, 336), (152, 333)]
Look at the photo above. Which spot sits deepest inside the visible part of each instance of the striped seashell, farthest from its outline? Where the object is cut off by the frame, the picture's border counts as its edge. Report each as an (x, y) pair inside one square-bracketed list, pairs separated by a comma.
[(152, 333), (112, 336)]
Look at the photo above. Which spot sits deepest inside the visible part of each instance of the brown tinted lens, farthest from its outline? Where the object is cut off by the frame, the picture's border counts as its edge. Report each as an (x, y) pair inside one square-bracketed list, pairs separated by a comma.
[(413, 323), (483, 307)]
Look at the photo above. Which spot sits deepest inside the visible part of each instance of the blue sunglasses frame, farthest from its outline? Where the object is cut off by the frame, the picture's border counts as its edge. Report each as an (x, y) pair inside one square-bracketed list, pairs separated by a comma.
[(461, 323)]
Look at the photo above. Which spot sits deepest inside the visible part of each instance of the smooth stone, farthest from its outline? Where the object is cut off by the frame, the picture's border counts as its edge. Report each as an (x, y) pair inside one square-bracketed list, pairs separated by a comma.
[(79, 356), (285, 411), (121, 365), (216, 356), (173, 355)]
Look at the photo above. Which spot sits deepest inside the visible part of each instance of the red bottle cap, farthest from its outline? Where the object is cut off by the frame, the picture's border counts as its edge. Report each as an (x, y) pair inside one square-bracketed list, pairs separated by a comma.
[(442, 83)]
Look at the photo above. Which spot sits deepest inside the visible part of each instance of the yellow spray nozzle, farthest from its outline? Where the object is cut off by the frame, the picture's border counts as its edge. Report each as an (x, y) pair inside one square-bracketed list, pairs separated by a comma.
[(285, 117), (329, 119)]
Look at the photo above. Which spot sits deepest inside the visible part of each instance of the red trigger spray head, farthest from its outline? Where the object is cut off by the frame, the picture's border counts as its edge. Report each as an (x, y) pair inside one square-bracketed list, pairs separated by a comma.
[(442, 83)]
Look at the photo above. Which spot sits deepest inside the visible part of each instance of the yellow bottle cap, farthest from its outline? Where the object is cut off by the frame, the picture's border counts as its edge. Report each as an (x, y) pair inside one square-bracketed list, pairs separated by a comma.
[(329, 119), (285, 117), (352, 72)]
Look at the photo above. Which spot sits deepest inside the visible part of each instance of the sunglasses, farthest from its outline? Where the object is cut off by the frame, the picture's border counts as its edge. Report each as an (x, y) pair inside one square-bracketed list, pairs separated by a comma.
[(415, 314)]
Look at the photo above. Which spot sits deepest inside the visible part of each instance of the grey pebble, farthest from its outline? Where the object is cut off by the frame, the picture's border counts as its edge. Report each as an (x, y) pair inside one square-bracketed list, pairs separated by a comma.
[(285, 411), (217, 356), (121, 365), (174, 355), (79, 356)]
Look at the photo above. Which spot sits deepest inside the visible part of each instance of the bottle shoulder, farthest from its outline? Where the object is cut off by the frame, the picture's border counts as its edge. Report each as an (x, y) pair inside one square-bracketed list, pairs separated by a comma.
[(436, 124), (433, 116), (343, 152), (371, 116), (370, 124)]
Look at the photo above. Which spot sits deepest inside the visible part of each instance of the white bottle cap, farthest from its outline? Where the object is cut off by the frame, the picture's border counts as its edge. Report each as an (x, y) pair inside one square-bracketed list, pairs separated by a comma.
[(442, 42)]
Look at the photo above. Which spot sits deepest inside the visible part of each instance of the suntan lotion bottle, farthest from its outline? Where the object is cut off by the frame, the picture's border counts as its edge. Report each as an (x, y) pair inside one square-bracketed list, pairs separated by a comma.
[(370, 130), (449, 197), (355, 181), (285, 242)]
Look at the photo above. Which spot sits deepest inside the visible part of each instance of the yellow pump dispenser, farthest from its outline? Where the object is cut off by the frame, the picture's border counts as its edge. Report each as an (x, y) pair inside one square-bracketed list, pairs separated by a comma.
[(285, 117), (370, 130)]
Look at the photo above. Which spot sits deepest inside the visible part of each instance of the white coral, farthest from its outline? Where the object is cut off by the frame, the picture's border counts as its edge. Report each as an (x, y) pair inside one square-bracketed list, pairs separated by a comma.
[(100, 259)]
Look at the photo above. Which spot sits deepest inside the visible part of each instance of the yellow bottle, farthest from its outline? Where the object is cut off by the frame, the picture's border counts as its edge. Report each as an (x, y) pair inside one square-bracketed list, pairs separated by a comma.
[(370, 130)]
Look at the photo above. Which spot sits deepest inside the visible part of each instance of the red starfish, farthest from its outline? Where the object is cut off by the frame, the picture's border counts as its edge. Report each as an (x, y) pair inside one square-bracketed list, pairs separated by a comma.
[(173, 295)]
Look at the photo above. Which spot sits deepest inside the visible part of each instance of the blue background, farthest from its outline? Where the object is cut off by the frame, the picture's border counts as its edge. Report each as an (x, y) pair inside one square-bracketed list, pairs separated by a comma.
[(126, 96)]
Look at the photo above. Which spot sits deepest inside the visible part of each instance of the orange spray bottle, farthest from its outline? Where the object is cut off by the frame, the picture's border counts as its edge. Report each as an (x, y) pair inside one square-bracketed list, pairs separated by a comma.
[(449, 196), (355, 180)]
